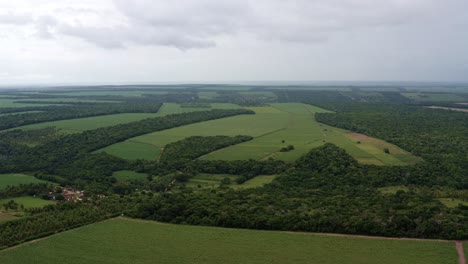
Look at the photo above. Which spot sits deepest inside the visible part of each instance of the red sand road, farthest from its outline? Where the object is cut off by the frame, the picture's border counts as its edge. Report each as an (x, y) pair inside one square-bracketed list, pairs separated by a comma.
[(461, 254)]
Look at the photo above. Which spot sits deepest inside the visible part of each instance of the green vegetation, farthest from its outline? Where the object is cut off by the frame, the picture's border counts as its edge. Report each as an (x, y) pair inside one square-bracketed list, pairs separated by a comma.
[(28, 202), (193, 147), (433, 97), (438, 137), (393, 189), (132, 150), (17, 179), (131, 241), (79, 110), (276, 126), (299, 167), (89, 123), (95, 92), (453, 202), (257, 181), (126, 175), (7, 103)]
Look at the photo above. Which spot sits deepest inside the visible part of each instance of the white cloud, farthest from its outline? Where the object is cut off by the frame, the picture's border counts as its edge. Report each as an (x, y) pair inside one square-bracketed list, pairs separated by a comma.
[(234, 39), (197, 23)]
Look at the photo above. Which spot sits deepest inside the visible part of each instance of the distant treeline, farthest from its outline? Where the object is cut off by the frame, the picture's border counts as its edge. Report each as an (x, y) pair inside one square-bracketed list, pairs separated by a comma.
[(439, 137), (69, 156)]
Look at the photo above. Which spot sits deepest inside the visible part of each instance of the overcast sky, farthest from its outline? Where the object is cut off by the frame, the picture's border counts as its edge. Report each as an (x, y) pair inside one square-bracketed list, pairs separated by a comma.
[(129, 41)]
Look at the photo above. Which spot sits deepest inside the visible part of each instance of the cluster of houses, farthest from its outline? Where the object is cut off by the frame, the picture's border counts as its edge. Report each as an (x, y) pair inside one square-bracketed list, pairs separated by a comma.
[(68, 194)]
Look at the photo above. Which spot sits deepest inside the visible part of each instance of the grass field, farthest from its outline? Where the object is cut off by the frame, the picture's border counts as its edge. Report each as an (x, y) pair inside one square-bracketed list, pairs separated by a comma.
[(4, 103), (258, 181), (126, 175), (204, 180), (465, 249), (88, 123), (17, 179), (272, 127), (124, 240), (81, 124), (28, 202), (435, 97), (453, 202), (393, 189)]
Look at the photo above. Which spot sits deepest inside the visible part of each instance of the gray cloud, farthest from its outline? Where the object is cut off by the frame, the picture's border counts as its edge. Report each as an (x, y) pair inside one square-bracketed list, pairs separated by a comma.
[(11, 18), (186, 24)]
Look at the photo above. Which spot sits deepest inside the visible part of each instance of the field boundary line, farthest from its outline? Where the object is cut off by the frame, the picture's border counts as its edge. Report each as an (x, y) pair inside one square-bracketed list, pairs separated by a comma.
[(282, 110), (271, 132), (139, 142), (56, 234), (300, 233)]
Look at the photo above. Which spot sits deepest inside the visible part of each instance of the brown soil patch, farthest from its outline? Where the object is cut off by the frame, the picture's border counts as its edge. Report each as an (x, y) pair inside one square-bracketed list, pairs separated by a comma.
[(448, 108), (461, 254), (359, 136)]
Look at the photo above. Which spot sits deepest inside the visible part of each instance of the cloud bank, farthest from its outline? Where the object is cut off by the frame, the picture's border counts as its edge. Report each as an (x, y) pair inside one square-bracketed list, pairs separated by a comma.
[(190, 24)]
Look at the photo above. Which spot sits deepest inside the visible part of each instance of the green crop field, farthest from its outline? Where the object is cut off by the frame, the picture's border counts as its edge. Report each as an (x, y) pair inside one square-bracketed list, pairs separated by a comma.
[(433, 97), (17, 179), (129, 175), (28, 201), (204, 180), (207, 95), (81, 124), (11, 103), (258, 181), (125, 240), (259, 94), (272, 127)]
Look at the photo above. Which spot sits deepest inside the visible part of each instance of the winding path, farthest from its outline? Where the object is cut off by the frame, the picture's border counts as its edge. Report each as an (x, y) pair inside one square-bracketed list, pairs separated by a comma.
[(461, 254)]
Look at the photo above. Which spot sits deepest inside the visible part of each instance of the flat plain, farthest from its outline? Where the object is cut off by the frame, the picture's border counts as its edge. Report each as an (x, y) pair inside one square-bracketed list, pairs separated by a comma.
[(28, 201), (273, 127), (78, 125), (124, 240), (14, 179)]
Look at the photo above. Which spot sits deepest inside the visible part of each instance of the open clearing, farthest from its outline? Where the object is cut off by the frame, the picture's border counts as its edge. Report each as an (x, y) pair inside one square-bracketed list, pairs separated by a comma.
[(87, 123), (127, 175), (28, 202), (17, 179), (448, 108), (204, 180), (272, 127), (5, 103), (435, 97), (125, 240), (453, 202)]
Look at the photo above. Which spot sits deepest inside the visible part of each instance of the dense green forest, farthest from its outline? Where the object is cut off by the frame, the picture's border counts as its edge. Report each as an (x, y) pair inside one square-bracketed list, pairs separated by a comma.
[(439, 137), (191, 148), (326, 190)]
